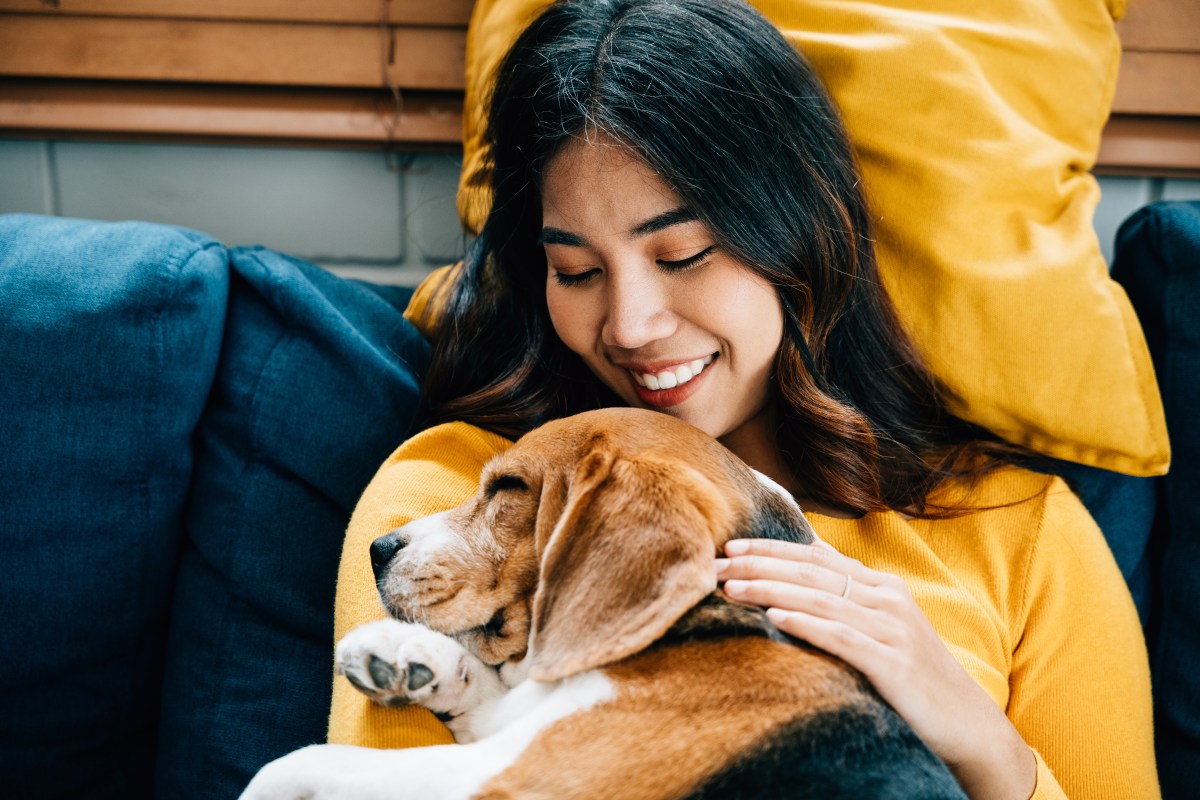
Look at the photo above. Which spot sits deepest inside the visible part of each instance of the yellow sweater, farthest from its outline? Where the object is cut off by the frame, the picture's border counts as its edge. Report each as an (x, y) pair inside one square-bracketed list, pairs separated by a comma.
[(1027, 597)]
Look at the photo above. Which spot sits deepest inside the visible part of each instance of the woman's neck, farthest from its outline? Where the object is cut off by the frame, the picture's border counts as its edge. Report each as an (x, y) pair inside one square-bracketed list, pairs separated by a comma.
[(755, 444)]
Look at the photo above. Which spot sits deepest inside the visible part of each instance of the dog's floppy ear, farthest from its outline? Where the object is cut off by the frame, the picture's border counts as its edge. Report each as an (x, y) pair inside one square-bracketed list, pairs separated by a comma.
[(632, 552)]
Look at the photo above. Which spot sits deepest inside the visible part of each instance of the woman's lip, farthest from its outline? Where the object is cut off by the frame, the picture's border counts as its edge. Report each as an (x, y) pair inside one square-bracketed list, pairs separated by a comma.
[(655, 367), (666, 398)]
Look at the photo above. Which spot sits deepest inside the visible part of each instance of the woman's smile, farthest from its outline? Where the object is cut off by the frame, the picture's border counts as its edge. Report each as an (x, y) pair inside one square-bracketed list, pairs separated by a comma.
[(667, 385)]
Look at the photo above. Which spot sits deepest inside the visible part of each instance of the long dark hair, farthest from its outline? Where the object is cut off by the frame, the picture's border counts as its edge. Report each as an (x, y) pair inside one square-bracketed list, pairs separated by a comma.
[(727, 113)]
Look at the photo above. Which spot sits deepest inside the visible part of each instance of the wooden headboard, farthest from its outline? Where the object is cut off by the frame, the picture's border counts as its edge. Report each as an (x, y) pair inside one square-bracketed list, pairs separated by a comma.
[(390, 73)]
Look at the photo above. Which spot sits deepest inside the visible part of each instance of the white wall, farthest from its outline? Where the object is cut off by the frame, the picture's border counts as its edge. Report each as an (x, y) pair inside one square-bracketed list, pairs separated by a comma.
[(386, 218)]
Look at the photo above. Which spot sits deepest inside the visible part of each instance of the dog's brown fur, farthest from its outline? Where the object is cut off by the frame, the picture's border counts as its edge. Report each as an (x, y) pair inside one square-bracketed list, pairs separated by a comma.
[(612, 498)]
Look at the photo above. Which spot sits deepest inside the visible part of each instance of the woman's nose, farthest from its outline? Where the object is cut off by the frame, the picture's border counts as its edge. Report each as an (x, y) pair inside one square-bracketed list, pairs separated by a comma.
[(639, 312)]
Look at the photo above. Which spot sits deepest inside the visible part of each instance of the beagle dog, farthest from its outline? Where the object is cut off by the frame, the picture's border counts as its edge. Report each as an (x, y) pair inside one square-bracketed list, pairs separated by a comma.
[(567, 626)]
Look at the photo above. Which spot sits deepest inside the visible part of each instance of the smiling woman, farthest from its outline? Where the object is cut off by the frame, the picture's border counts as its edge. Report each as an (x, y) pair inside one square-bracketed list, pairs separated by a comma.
[(677, 230), (638, 289), (677, 222)]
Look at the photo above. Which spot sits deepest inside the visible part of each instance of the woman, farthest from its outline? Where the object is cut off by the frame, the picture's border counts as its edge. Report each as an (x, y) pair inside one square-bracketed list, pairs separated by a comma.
[(677, 223)]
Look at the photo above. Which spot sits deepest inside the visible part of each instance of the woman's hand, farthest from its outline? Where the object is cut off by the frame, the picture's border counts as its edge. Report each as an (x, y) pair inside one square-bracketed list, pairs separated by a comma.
[(869, 620)]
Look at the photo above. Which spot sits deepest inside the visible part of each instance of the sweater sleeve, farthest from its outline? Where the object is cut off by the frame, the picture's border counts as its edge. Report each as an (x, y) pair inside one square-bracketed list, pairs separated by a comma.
[(1080, 678), (435, 470)]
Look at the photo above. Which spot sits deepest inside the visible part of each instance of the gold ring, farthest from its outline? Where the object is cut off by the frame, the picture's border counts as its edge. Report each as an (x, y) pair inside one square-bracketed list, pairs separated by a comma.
[(849, 583)]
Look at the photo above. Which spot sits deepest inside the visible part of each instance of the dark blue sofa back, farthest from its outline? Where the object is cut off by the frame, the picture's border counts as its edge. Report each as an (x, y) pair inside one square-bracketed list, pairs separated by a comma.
[(185, 432)]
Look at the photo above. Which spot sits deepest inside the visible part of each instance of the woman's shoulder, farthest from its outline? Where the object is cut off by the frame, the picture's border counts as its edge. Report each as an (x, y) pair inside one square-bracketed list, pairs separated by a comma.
[(1018, 516), (1005, 494)]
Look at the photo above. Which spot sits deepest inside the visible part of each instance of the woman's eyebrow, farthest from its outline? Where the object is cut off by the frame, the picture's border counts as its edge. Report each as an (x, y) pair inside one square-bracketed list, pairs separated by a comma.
[(559, 236), (676, 216)]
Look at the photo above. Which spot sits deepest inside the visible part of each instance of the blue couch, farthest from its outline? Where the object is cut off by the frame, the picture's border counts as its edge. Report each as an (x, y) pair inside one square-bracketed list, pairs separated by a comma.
[(186, 428)]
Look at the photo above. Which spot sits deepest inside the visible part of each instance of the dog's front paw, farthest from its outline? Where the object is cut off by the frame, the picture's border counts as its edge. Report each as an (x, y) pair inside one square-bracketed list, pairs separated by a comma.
[(399, 663), (312, 773)]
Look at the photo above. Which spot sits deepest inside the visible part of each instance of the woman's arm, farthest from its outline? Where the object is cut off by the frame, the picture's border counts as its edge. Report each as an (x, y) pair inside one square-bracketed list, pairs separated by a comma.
[(1080, 677), (433, 471), (1078, 683), (872, 622)]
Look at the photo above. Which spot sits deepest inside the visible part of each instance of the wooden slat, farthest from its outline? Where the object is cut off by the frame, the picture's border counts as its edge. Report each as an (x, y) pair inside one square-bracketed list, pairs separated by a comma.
[(1158, 83), (1161, 25), (238, 52), (119, 110), (1162, 146), (396, 12)]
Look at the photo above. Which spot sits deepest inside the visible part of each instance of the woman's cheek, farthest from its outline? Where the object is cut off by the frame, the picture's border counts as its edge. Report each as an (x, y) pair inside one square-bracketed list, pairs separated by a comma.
[(570, 320)]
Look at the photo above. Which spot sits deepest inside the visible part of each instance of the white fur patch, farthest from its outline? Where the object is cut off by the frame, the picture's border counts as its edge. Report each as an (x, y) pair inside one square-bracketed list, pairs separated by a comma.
[(444, 772)]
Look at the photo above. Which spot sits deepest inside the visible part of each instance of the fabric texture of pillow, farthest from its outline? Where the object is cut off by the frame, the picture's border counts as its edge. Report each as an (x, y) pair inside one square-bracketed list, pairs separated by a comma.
[(110, 338), (976, 126), (317, 384)]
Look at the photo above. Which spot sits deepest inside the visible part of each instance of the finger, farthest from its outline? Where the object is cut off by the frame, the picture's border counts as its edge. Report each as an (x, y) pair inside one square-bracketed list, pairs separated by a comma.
[(820, 554), (856, 648), (802, 573), (814, 602)]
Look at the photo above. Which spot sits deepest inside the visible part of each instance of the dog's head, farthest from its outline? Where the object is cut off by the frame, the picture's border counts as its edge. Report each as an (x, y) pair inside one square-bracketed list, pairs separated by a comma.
[(586, 542)]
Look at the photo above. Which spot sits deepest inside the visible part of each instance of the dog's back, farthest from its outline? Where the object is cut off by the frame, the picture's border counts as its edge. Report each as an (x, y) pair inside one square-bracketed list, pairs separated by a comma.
[(721, 708)]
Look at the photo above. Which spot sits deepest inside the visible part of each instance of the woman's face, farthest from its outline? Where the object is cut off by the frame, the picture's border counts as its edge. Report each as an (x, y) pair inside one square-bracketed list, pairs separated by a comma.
[(638, 288)]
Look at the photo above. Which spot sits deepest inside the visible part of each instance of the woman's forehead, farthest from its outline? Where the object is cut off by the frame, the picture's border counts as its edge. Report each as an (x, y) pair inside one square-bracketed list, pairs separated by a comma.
[(604, 187)]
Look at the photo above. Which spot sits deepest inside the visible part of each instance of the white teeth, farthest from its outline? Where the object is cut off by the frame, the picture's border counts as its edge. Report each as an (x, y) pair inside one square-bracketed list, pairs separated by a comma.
[(669, 379)]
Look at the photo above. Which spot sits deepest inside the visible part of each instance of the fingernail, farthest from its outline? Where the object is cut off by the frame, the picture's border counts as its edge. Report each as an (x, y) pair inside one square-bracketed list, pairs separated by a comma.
[(776, 615), (735, 587), (737, 547), (722, 564)]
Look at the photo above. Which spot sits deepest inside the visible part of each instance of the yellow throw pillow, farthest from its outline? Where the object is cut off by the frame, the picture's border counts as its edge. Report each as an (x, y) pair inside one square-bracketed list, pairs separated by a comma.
[(976, 126)]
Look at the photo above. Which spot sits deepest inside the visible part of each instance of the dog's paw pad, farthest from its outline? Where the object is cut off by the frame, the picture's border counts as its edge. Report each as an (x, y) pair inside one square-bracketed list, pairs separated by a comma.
[(419, 676), (383, 674), (396, 663)]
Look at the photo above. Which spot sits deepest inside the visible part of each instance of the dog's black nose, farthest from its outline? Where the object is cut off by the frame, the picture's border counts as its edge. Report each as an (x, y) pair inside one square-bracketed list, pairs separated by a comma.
[(383, 550)]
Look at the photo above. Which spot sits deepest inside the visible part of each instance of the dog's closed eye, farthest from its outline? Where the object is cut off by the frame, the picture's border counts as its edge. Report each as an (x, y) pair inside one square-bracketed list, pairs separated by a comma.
[(495, 626), (505, 482)]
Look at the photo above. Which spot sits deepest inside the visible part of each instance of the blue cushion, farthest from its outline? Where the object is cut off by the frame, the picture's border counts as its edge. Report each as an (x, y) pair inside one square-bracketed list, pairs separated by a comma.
[(1158, 262), (110, 334), (317, 385)]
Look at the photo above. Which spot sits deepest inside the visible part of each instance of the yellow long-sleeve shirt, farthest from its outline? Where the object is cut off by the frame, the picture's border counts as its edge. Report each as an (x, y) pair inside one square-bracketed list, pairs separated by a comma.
[(1027, 597)]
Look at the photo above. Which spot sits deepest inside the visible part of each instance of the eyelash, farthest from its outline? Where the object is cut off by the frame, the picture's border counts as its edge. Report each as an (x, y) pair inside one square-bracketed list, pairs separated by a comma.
[(688, 263), (683, 264)]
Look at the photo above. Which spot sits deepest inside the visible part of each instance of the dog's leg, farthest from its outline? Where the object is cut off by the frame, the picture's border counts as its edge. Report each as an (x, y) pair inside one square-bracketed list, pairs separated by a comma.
[(443, 772), (399, 663)]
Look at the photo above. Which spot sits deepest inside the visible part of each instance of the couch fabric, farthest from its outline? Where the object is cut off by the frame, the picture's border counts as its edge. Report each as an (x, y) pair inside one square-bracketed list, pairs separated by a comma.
[(110, 339), (1158, 262), (186, 430)]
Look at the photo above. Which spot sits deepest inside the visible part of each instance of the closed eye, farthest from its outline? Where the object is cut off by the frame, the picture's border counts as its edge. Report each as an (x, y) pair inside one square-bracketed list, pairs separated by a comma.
[(506, 482), (689, 262), (575, 279)]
